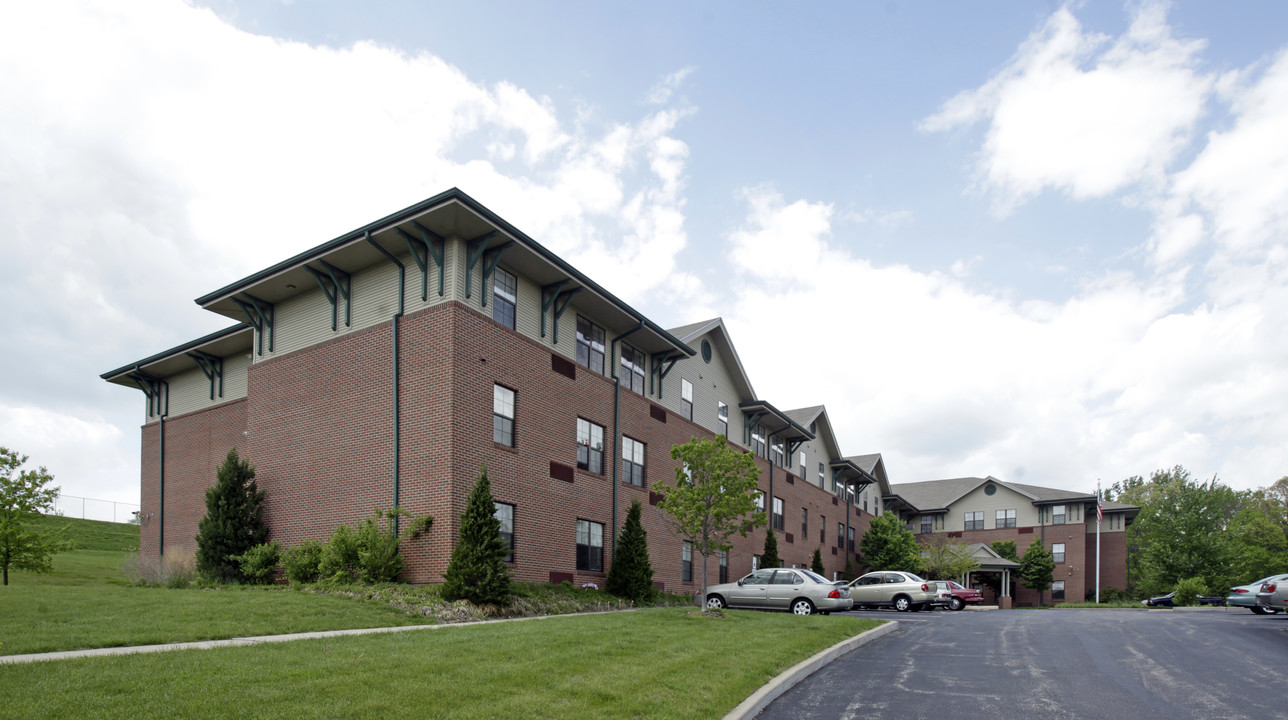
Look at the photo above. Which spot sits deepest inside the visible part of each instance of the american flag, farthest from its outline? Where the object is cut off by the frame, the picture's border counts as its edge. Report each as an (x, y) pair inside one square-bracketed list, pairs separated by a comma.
[(1100, 511)]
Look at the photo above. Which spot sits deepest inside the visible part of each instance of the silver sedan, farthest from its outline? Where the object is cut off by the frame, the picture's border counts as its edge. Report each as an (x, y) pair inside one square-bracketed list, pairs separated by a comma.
[(795, 589)]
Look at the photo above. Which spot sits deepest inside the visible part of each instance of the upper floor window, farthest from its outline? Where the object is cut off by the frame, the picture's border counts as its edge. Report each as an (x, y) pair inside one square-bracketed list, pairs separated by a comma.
[(590, 345), (505, 514), (632, 461), (590, 546), (502, 415), (927, 524), (1057, 515), (975, 520), (686, 399), (505, 294), (722, 419), (1057, 552), (1005, 519), (724, 566), (851, 537), (776, 453), (822, 479), (686, 561), (590, 446), (758, 441), (776, 518), (840, 535), (633, 369), (760, 501), (822, 528), (802, 464), (804, 522)]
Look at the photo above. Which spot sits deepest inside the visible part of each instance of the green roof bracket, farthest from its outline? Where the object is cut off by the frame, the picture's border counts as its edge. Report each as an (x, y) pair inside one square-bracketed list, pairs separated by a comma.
[(662, 364), (792, 447), (550, 293), (213, 367), (474, 250), (429, 245), (156, 390), (749, 423), (340, 283), (260, 313), (490, 260), (561, 304)]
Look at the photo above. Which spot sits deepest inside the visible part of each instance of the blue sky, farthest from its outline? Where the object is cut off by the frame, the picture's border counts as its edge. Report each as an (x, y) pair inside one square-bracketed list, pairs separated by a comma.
[(1041, 241)]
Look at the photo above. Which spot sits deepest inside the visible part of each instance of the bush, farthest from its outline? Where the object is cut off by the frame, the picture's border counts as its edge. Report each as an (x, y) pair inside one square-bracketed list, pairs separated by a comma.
[(370, 552), (301, 562), (259, 564), (1189, 590), (1107, 595), (234, 520), (339, 559), (631, 575), (477, 571)]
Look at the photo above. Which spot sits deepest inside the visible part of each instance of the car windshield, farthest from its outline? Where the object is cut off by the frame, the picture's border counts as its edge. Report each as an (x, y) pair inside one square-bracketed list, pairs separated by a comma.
[(815, 578), (914, 578), (955, 586)]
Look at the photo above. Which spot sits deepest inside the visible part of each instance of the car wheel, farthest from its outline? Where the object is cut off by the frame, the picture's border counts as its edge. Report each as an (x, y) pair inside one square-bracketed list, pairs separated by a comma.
[(802, 606), (902, 603), (1258, 610), (715, 602), (956, 604)]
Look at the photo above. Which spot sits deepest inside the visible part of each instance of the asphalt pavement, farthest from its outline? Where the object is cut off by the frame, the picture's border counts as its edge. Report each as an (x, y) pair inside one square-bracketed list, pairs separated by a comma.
[(1112, 664)]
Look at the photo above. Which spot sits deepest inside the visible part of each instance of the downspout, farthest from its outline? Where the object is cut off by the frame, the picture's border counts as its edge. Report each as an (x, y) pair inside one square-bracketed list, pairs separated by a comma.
[(617, 430), (770, 439), (161, 507), (402, 270)]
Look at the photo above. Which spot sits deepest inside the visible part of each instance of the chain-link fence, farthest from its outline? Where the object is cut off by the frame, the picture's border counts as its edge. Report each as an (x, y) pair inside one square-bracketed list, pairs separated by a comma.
[(92, 509)]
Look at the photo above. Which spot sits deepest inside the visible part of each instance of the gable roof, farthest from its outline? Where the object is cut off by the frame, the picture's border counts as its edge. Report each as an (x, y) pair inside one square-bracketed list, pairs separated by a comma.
[(724, 345), (939, 495)]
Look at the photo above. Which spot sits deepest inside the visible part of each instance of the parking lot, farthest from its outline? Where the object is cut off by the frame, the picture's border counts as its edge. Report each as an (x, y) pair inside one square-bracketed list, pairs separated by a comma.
[(1212, 663)]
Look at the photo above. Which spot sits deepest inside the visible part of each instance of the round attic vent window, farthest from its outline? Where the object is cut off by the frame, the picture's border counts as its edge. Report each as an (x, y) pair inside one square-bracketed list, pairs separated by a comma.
[(706, 351), (990, 489)]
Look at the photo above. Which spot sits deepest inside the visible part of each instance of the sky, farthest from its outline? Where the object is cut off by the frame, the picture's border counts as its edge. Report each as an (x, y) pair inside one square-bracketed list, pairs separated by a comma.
[(1034, 240)]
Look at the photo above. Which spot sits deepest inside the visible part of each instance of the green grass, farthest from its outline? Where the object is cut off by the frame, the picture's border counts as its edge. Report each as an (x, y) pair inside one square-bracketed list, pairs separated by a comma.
[(659, 663), (92, 534)]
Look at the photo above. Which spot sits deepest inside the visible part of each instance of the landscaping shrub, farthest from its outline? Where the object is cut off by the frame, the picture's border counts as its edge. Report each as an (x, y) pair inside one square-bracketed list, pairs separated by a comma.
[(477, 571), (234, 520), (301, 562), (369, 552), (259, 564), (339, 559), (1188, 590), (769, 556), (631, 575)]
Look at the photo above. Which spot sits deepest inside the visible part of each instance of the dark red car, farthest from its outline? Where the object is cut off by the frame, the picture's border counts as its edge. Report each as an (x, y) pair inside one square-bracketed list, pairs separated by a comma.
[(962, 596)]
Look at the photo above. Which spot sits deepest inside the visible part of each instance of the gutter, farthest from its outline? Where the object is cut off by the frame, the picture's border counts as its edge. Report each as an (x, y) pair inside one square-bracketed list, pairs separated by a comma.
[(402, 271), (617, 418)]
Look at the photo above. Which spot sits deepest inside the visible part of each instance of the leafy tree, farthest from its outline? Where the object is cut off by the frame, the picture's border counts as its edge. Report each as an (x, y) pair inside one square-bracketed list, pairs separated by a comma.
[(477, 570), (1037, 568), (1007, 549), (769, 556), (22, 498), (943, 558), (713, 497), (234, 520), (888, 545), (817, 564), (631, 575), (1258, 545)]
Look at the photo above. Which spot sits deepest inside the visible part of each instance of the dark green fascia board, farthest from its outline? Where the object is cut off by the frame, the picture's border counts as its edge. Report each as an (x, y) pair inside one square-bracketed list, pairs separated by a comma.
[(474, 250), (259, 319), (341, 284), (213, 367), (662, 364), (217, 335), (770, 409), (454, 194)]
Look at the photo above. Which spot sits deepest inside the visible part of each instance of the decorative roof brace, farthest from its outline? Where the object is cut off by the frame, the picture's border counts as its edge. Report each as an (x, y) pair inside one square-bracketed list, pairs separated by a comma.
[(341, 284), (260, 314), (550, 296), (474, 250), (155, 389), (429, 245), (668, 357), (213, 367), (749, 424)]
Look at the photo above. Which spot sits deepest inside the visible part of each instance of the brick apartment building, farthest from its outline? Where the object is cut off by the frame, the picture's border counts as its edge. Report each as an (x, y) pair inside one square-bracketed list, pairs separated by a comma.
[(387, 366), (983, 510)]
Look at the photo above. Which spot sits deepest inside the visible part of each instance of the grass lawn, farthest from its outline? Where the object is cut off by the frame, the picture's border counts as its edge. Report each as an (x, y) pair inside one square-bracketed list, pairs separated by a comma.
[(656, 663)]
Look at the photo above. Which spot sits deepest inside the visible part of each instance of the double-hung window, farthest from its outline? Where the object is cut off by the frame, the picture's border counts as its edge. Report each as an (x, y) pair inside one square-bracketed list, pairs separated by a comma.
[(1057, 591), (724, 566), (590, 345), (760, 501), (776, 453), (822, 479), (1057, 515), (840, 535), (505, 294), (975, 520), (1057, 552), (590, 446), (851, 538), (590, 546), (1005, 519), (502, 415), (632, 461), (686, 561), (505, 515), (758, 441), (686, 399), (722, 419), (804, 524), (822, 528), (633, 369), (776, 518), (927, 524)]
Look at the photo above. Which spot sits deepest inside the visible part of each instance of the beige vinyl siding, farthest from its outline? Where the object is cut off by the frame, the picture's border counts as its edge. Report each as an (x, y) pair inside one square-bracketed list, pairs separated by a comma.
[(190, 389), (301, 321), (1026, 514), (712, 383)]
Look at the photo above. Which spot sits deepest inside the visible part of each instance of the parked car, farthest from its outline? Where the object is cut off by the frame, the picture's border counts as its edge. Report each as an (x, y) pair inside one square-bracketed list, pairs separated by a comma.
[(795, 589), (1167, 600), (943, 593), (1246, 595), (1273, 596), (902, 591), (963, 596)]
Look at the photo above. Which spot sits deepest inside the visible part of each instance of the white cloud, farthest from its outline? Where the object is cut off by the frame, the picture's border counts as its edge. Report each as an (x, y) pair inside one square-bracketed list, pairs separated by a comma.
[(1076, 113)]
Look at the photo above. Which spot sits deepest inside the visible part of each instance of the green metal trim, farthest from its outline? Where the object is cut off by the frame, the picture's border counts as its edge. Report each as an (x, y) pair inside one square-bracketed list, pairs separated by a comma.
[(341, 286), (550, 293), (429, 245), (560, 307), (748, 424), (491, 258), (259, 319), (669, 358), (213, 367), (793, 446), (472, 258), (154, 388)]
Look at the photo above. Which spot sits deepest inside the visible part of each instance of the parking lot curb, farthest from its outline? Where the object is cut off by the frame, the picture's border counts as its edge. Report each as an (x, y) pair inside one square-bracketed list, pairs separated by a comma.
[(760, 699)]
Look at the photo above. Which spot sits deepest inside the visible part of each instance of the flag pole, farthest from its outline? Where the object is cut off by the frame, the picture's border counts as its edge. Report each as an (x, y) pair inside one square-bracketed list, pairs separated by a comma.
[(1100, 514)]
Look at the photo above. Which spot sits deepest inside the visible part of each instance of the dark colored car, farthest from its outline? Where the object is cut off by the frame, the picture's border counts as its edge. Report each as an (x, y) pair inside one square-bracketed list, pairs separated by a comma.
[(1160, 601)]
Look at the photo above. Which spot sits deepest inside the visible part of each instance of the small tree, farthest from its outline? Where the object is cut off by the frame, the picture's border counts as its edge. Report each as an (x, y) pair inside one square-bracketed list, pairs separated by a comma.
[(22, 498), (817, 564), (477, 571), (631, 575), (713, 496), (944, 559), (769, 556), (888, 545), (234, 520), (1037, 568)]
